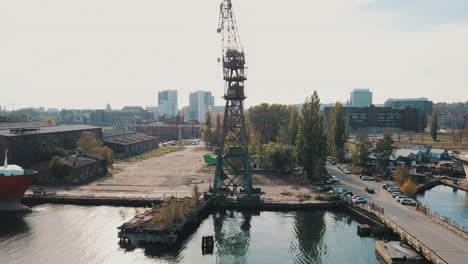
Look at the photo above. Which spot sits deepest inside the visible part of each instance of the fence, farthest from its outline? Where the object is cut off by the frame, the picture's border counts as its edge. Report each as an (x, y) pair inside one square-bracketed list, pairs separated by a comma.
[(404, 235), (446, 219)]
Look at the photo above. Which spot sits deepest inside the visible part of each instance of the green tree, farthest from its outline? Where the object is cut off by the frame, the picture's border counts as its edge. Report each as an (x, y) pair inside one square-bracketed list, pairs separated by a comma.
[(59, 152), (277, 156), (434, 126), (293, 125), (268, 121), (207, 130), (57, 166), (311, 143), (337, 133), (384, 149), (363, 149)]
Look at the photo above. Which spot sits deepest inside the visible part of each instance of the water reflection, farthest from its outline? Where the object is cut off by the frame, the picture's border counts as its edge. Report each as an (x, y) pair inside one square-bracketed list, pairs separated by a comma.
[(309, 230), (79, 234), (232, 235), (11, 225), (447, 201)]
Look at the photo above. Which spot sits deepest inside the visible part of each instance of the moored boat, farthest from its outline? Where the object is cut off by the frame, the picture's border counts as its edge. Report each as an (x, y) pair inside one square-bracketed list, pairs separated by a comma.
[(14, 181)]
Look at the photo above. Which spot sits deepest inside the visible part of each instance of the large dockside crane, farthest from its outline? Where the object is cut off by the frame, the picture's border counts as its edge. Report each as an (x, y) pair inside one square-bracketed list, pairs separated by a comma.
[(233, 169)]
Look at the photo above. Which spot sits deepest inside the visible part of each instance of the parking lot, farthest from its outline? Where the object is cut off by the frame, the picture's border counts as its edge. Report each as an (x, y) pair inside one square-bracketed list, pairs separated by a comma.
[(446, 243)]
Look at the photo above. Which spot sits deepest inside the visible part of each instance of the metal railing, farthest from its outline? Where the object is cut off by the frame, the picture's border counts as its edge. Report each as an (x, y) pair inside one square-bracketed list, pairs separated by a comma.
[(411, 240), (446, 219)]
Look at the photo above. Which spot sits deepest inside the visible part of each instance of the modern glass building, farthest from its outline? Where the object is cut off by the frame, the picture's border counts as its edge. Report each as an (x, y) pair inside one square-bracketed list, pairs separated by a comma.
[(200, 102), (167, 103), (422, 104), (361, 98)]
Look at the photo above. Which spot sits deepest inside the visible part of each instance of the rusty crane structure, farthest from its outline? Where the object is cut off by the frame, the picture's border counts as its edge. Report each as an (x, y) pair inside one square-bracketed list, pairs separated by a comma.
[(233, 174)]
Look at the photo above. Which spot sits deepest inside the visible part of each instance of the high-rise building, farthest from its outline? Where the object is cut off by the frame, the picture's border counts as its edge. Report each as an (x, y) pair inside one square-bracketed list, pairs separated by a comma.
[(200, 102), (361, 98), (167, 103), (422, 104)]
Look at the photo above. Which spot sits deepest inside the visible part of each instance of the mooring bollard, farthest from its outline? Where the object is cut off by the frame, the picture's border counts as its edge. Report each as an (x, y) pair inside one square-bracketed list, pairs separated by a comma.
[(207, 245)]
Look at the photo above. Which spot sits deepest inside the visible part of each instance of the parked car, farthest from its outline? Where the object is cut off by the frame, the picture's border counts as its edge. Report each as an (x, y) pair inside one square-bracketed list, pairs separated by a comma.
[(369, 190), (338, 190), (408, 201), (325, 188), (395, 194), (399, 197), (360, 200), (392, 189), (387, 185), (367, 178), (350, 194), (346, 171), (355, 196)]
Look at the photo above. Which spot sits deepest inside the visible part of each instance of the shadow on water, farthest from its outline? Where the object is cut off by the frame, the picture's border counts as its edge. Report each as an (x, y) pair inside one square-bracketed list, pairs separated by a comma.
[(232, 238), (11, 225)]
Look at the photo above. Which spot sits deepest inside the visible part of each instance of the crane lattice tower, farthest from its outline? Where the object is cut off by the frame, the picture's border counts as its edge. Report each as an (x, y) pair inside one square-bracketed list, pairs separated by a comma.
[(233, 169)]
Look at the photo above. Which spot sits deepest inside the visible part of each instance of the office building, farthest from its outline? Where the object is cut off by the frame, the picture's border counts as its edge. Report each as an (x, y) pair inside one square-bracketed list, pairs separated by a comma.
[(408, 119), (167, 103), (422, 104), (361, 98), (200, 102)]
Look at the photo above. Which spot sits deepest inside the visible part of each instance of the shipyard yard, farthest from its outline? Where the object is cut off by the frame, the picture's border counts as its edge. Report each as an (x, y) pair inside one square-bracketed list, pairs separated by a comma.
[(172, 174)]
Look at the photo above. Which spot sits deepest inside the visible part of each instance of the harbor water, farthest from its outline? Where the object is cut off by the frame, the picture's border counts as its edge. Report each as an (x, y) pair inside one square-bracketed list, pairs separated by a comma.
[(447, 201), (78, 234)]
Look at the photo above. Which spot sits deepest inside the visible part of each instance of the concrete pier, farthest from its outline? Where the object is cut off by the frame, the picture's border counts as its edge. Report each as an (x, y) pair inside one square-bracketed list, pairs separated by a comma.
[(394, 252)]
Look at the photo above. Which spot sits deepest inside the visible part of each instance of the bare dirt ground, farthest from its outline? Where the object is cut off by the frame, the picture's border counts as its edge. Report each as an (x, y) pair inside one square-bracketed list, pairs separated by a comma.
[(173, 174)]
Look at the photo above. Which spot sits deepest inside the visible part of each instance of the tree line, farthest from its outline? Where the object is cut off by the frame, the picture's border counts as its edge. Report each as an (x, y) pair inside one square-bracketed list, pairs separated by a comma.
[(282, 137)]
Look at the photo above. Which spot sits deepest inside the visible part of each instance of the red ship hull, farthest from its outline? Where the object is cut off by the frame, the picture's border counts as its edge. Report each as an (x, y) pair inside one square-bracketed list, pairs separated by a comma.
[(12, 189)]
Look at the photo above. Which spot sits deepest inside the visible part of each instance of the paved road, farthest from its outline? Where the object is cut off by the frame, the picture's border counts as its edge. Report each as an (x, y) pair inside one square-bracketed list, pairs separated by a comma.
[(450, 246)]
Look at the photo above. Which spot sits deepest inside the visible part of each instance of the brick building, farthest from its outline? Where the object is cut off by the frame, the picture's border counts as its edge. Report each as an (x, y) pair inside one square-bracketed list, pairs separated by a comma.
[(168, 131), (82, 167), (28, 145), (408, 119), (120, 118)]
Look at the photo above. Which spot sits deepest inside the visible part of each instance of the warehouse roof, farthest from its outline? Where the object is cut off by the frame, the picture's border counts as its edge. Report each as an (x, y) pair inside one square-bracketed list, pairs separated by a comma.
[(123, 137), (22, 131)]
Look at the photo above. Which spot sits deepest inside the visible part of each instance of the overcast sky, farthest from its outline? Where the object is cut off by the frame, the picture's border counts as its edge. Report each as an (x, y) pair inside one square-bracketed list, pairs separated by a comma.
[(87, 53)]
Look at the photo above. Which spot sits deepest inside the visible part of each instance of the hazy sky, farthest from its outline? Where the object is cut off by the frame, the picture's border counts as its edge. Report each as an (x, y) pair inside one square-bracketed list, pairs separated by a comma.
[(84, 54)]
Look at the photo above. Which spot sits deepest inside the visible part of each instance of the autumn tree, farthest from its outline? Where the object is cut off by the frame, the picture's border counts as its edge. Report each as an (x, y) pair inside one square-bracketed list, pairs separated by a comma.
[(217, 130), (384, 149), (337, 133), (88, 143), (108, 154), (311, 142), (434, 126), (50, 121), (410, 188), (402, 174)]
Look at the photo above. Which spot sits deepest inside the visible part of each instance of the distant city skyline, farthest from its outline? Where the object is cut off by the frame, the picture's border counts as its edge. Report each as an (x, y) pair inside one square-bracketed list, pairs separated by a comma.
[(74, 55)]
